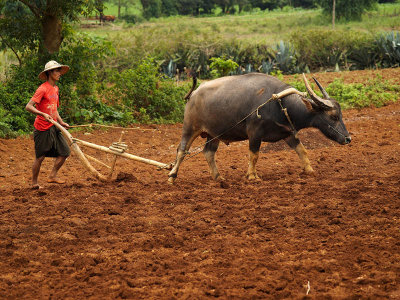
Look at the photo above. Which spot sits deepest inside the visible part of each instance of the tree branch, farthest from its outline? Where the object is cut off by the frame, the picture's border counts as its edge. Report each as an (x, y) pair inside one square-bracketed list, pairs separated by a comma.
[(12, 49), (34, 9)]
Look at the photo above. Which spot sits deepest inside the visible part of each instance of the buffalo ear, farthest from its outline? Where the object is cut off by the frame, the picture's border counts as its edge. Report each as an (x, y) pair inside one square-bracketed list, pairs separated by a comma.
[(308, 103)]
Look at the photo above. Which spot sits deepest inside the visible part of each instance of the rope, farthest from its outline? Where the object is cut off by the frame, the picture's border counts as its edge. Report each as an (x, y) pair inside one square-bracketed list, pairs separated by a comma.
[(188, 154), (118, 147), (288, 118)]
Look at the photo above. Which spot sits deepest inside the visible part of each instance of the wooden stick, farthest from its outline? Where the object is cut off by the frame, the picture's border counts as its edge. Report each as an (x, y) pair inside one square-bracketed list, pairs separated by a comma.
[(96, 160), (126, 155), (78, 152), (108, 126), (115, 158)]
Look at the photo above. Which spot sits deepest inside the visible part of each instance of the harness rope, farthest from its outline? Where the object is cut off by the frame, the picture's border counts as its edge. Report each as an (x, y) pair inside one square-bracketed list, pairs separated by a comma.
[(333, 128)]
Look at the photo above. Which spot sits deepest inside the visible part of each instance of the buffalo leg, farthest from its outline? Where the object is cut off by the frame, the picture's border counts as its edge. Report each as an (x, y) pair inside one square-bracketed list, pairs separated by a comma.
[(296, 144), (209, 152), (254, 150), (186, 142)]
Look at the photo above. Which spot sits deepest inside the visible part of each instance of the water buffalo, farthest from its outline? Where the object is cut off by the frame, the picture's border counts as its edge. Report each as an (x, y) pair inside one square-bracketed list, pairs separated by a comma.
[(216, 106)]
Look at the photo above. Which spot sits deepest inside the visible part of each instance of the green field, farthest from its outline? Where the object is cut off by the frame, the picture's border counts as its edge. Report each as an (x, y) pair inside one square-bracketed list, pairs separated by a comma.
[(258, 27)]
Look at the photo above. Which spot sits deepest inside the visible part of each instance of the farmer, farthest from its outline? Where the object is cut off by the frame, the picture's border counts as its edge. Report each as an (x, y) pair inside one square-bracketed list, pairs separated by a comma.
[(48, 139)]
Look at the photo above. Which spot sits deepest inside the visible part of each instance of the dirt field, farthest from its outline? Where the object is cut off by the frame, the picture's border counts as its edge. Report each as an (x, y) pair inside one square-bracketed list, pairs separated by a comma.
[(335, 234)]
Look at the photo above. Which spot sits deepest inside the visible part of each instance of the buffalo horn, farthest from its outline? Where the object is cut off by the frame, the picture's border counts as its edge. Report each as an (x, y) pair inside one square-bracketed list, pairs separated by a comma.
[(318, 100), (326, 96)]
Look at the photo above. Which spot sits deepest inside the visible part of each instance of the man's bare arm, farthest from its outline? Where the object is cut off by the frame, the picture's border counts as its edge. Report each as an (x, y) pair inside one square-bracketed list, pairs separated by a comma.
[(31, 108)]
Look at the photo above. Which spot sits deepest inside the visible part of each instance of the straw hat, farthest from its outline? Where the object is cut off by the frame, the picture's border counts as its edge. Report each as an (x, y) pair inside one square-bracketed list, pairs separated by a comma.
[(53, 65)]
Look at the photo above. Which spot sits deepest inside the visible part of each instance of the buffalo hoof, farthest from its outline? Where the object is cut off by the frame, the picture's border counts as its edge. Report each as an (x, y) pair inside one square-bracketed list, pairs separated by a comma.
[(219, 178), (307, 174), (308, 171), (171, 180), (253, 177)]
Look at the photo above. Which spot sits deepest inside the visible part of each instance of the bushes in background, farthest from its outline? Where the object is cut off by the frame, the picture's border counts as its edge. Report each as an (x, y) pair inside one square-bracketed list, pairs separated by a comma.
[(123, 86), (388, 44), (86, 93), (146, 95), (323, 49), (308, 50)]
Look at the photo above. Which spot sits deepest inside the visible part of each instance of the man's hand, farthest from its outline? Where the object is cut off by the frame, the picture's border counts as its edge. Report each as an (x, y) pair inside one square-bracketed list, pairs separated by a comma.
[(66, 125), (47, 117)]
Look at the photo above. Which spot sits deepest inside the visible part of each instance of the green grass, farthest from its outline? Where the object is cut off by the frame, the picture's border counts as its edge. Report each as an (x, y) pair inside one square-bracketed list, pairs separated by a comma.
[(257, 27)]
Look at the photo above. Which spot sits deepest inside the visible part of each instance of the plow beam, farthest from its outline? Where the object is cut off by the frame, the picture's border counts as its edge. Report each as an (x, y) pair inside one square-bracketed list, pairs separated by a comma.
[(123, 154), (73, 142)]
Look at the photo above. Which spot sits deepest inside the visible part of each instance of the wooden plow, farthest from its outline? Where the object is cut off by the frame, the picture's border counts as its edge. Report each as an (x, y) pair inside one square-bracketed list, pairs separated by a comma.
[(117, 148)]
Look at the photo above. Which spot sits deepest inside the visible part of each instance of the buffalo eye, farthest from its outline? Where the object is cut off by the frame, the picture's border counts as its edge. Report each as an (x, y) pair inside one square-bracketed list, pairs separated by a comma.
[(335, 118)]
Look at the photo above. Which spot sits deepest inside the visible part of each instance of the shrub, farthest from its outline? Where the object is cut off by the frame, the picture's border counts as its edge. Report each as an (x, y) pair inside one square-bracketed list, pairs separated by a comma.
[(374, 93), (132, 19), (148, 96), (364, 54), (222, 67), (321, 48), (152, 8), (83, 53), (327, 49), (348, 10), (14, 95)]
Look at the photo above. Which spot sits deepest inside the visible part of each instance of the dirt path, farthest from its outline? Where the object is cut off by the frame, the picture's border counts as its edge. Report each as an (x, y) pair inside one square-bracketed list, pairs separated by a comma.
[(138, 237)]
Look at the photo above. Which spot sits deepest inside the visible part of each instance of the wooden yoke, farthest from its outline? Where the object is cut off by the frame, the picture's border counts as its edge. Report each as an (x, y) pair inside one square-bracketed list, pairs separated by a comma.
[(287, 92), (280, 95)]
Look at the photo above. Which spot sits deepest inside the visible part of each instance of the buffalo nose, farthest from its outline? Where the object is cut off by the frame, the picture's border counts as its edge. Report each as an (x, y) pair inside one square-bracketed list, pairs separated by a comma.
[(347, 140)]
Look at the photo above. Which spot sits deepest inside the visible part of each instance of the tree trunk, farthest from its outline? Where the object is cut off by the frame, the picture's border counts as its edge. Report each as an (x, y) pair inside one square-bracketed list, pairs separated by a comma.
[(333, 13), (119, 9), (52, 33)]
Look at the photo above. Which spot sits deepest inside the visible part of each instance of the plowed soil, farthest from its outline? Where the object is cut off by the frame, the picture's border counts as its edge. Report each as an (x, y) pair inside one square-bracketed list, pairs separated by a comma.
[(332, 235)]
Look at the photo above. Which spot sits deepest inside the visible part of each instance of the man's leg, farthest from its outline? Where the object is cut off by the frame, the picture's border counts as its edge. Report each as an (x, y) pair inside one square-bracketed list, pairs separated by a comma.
[(35, 171), (58, 162)]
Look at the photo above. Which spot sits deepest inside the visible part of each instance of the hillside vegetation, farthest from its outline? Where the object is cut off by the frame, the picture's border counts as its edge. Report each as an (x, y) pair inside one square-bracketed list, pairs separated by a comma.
[(128, 73), (256, 27), (290, 40)]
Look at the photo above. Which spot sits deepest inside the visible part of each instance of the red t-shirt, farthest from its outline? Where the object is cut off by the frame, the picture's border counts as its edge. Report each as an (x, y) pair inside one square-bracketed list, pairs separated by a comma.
[(46, 99)]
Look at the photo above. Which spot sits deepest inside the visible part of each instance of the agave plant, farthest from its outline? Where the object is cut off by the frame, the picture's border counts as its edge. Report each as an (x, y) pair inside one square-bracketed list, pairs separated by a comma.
[(389, 44), (267, 66), (169, 68), (336, 57), (285, 57), (363, 58)]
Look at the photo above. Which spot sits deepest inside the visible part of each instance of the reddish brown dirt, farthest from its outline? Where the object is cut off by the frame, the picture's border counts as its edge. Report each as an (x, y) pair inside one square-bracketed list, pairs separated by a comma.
[(138, 237)]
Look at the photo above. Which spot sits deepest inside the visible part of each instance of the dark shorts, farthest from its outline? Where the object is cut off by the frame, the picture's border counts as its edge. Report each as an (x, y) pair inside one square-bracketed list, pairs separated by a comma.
[(50, 143)]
